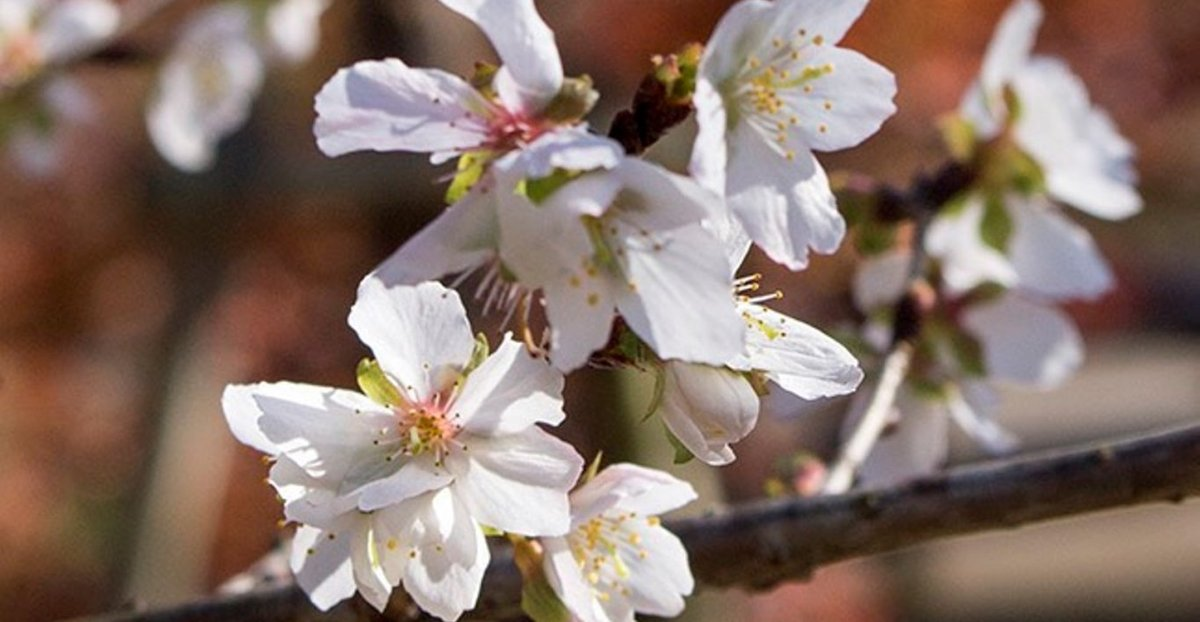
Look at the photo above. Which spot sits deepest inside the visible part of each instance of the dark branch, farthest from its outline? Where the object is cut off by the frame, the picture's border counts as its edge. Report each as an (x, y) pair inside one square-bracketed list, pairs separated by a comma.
[(758, 545)]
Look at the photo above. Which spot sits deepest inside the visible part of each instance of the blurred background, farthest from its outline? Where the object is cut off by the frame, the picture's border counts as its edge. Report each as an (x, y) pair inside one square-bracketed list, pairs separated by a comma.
[(132, 293)]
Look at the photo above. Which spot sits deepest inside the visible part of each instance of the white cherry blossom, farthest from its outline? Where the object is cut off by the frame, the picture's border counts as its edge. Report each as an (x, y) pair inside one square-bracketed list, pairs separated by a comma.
[(39, 32), (618, 559), (772, 87), (33, 125), (394, 488), (386, 105), (1085, 161)]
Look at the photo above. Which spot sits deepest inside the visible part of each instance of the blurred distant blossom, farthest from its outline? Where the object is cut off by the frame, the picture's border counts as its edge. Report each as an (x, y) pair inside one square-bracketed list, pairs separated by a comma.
[(618, 559), (34, 33), (213, 75), (32, 124), (388, 106), (393, 486), (772, 88)]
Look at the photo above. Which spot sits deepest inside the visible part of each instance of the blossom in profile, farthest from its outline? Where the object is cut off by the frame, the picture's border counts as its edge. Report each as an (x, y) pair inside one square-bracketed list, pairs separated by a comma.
[(618, 559), (773, 87), (385, 105), (212, 76), (393, 485)]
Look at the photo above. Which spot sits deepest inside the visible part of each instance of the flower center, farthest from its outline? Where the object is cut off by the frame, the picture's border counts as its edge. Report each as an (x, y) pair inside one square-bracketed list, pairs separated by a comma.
[(762, 85), (601, 547), (426, 428)]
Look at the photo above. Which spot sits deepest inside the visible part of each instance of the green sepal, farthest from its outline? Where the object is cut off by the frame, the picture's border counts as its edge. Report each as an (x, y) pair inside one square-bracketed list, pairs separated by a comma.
[(540, 189), (541, 604), (490, 531), (968, 353), (683, 455), (660, 387), (593, 469), (996, 227), (470, 169), (478, 354), (375, 384), (483, 77), (959, 137), (573, 102)]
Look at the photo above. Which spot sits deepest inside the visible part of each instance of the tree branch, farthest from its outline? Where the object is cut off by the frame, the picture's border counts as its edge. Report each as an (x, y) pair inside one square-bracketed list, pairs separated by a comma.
[(758, 545)]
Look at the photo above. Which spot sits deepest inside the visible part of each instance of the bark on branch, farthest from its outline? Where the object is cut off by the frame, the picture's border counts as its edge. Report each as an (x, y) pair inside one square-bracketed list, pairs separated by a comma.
[(758, 545)]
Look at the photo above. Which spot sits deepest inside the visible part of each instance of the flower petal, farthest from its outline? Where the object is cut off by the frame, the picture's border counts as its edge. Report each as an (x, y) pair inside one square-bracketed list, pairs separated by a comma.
[(568, 149), (799, 358), (531, 466), (563, 575), (1054, 257), (322, 567), (293, 28), (413, 478), (786, 206), (388, 106), (709, 156), (580, 320), (880, 280), (846, 106), (243, 414), (973, 407), (707, 408), (72, 26), (966, 260), (417, 333), (511, 391), (659, 576), (1011, 45), (917, 444), (532, 74), (631, 488), (460, 238), (1024, 342)]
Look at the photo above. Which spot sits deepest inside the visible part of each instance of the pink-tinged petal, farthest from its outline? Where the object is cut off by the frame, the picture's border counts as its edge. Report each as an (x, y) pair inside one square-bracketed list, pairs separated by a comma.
[(966, 260), (509, 392), (676, 296), (460, 238), (844, 107), (880, 280), (1052, 256), (388, 106), (631, 488), (532, 73), (973, 407), (567, 581), (1086, 162), (1024, 342), (322, 566), (418, 334), (517, 482), (799, 358), (916, 445), (434, 546), (709, 154), (707, 409), (785, 205)]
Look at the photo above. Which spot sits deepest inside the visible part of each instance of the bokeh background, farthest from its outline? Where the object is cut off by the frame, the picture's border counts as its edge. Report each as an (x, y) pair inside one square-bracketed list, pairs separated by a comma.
[(131, 293)]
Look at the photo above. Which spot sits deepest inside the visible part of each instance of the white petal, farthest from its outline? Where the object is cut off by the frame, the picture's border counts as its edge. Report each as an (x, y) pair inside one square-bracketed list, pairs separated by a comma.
[(709, 156), (660, 579), (916, 445), (306, 499), (1053, 256), (242, 414), (417, 333), (569, 149), (739, 33), (72, 26), (388, 106), (1012, 44), (631, 488), (510, 392), (732, 237), (786, 206), (460, 238), (580, 320), (1024, 342), (973, 407), (707, 408), (654, 198), (293, 27), (966, 260), (563, 575), (413, 478), (825, 18), (322, 566), (799, 358), (525, 45), (518, 482), (1086, 162), (846, 106), (372, 584), (677, 297), (880, 280)]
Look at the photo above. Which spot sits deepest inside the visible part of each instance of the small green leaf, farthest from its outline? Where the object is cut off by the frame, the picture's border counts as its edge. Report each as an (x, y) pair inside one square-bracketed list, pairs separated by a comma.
[(958, 134), (538, 190), (478, 354), (488, 530), (683, 455), (660, 387), (541, 604), (996, 228), (875, 238), (573, 101), (375, 384), (593, 468), (471, 166), (967, 352)]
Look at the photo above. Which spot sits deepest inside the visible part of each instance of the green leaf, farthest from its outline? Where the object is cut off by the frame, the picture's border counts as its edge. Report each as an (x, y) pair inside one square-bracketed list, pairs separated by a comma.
[(660, 387), (996, 228), (478, 354), (375, 384), (471, 166), (573, 101), (683, 455), (958, 134), (538, 190), (541, 604), (491, 531), (875, 238)]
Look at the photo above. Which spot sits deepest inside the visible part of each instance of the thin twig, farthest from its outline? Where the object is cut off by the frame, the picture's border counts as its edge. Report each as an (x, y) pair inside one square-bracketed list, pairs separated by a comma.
[(758, 545)]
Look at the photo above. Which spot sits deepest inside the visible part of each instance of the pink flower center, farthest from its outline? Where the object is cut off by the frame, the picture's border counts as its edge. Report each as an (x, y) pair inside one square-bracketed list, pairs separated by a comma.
[(426, 427)]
